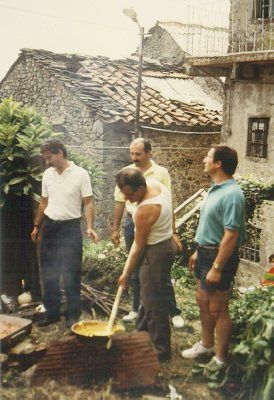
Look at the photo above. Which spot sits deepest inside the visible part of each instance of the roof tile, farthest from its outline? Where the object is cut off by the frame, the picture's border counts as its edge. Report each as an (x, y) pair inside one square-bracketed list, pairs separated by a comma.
[(108, 88)]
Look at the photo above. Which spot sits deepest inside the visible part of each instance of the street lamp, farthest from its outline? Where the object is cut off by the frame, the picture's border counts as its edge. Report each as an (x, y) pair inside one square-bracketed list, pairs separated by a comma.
[(129, 12)]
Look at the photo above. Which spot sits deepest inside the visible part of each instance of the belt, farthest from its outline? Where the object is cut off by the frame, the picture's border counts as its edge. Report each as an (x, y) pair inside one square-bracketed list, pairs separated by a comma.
[(208, 246), (129, 215), (63, 222)]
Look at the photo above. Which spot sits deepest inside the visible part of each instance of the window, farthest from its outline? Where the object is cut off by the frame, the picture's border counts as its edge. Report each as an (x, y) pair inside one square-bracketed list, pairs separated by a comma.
[(257, 137), (251, 248), (261, 8)]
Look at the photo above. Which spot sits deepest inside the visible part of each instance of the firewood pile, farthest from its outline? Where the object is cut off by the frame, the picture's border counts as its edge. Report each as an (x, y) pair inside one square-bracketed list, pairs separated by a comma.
[(100, 300)]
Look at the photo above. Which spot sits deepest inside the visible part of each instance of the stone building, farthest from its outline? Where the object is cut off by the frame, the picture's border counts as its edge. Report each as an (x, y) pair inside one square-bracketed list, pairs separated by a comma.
[(248, 114), (92, 101), (171, 41)]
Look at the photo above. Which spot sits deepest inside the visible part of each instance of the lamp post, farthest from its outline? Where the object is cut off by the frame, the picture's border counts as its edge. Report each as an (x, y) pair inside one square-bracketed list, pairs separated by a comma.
[(129, 12)]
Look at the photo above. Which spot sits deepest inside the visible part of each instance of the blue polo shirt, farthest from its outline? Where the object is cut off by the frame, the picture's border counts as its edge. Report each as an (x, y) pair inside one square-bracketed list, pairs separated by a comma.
[(223, 208)]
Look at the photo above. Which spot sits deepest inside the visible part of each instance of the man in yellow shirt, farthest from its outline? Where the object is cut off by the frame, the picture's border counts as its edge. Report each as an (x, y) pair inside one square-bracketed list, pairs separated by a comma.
[(140, 153)]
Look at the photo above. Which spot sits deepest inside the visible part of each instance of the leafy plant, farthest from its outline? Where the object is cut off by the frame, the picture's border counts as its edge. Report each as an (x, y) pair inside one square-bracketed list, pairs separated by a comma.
[(22, 131), (255, 192), (181, 272), (253, 341), (103, 264), (254, 335)]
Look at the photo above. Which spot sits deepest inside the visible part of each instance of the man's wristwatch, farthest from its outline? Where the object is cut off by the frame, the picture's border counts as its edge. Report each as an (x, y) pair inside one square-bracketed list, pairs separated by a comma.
[(217, 267)]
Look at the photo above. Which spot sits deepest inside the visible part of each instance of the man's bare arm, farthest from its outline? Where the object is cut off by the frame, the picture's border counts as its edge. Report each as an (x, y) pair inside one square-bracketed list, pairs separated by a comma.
[(146, 216), (39, 218), (226, 248), (89, 215), (118, 215)]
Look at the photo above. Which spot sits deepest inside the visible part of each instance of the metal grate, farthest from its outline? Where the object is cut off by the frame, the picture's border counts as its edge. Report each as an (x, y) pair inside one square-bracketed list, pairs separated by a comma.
[(251, 249), (257, 137)]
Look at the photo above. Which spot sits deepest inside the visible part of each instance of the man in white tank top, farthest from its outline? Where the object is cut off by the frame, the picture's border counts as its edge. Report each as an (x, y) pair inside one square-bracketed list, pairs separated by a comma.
[(141, 153), (152, 249)]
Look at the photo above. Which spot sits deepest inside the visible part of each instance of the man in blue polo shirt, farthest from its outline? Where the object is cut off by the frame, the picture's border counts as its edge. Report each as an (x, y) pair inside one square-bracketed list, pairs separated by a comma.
[(220, 233)]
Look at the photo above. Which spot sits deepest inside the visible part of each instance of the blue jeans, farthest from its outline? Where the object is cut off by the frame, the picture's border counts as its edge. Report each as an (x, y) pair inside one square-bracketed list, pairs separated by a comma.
[(135, 281), (61, 254)]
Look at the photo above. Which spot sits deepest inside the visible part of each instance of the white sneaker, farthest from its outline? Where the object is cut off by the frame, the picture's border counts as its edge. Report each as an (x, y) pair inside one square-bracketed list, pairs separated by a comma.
[(130, 317), (197, 350), (177, 321)]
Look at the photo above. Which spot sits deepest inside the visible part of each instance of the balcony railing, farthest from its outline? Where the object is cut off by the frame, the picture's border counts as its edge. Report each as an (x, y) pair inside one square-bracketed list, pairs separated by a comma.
[(253, 30)]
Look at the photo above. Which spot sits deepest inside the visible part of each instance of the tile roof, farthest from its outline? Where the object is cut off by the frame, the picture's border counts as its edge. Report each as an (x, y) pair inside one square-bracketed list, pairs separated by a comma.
[(108, 88)]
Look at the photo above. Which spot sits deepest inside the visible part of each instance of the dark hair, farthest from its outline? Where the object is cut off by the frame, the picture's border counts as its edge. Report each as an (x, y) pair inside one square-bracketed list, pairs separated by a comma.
[(54, 146), (146, 143), (131, 177), (228, 158), (271, 257)]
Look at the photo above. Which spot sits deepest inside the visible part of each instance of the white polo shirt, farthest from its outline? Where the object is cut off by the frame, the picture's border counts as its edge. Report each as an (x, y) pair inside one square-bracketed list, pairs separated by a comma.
[(65, 192)]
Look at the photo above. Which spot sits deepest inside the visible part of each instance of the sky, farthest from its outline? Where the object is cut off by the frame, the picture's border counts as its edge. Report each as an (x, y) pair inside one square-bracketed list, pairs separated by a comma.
[(92, 27)]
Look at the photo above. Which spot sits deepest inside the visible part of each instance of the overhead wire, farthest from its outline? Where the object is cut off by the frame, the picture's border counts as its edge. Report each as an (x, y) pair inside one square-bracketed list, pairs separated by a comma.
[(62, 18)]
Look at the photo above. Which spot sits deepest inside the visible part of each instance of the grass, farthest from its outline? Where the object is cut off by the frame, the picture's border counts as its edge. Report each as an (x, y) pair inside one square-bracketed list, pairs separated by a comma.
[(176, 372)]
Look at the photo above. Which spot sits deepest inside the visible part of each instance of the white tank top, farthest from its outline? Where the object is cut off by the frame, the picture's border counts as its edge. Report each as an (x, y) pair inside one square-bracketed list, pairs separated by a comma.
[(162, 229)]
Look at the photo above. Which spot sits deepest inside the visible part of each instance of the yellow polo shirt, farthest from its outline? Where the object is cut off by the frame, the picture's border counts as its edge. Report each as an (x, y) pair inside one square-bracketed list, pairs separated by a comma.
[(156, 172)]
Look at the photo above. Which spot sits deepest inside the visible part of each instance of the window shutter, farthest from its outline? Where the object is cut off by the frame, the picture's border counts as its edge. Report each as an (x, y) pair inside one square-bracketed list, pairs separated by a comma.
[(251, 9), (271, 11)]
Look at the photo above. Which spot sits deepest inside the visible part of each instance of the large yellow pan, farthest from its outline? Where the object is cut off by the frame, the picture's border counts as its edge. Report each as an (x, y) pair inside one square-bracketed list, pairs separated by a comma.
[(100, 330)]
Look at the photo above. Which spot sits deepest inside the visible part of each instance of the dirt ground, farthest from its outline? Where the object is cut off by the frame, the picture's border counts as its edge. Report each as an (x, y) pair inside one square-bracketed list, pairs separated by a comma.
[(176, 372)]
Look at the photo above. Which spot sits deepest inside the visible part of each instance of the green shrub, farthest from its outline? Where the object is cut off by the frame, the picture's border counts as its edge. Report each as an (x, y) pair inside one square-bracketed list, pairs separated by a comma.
[(255, 192), (187, 233), (102, 265), (22, 131), (253, 336), (253, 342)]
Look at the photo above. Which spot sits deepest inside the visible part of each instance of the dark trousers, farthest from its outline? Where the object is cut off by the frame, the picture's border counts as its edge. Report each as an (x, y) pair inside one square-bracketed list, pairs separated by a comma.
[(153, 313), (61, 255), (135, 282)]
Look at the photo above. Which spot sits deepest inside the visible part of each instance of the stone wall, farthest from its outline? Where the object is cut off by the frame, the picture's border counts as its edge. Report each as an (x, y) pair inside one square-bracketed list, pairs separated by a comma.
[(161, 46), (248, 33), (108, 144), (246, 100), (182, 154), (33, 85), (117, 138)]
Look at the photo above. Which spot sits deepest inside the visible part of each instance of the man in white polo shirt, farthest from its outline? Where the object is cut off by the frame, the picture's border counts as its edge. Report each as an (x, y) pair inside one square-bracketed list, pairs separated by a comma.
[(140, 153), (64, 187)]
